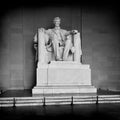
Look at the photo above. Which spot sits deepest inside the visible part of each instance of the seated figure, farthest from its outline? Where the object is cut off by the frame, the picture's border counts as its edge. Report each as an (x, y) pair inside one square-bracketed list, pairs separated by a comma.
[(57, 44)]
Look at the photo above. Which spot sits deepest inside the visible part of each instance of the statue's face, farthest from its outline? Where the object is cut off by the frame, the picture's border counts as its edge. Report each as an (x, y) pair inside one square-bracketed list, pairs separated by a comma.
[(57, 23)]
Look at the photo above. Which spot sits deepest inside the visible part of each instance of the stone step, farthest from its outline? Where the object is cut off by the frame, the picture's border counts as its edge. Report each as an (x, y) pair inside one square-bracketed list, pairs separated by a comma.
[(60, 89), (65, 86), (58, 100)]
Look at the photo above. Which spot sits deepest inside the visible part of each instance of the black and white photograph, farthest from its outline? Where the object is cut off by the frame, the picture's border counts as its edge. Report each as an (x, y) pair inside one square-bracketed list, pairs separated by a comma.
[(59, 60)]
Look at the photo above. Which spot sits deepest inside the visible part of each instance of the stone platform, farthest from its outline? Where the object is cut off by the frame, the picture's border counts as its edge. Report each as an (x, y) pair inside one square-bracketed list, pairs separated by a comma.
[(63, 77)]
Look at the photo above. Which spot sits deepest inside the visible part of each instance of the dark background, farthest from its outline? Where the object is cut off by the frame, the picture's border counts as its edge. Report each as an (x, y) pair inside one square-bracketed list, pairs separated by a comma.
[(98, 23)]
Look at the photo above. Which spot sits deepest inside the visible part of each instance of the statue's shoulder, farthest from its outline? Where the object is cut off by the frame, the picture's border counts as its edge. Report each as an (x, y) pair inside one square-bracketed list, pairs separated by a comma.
[(63, 30), (48, 31)]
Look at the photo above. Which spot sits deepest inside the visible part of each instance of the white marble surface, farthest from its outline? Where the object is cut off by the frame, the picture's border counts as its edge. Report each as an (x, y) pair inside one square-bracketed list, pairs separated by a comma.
[(62, 89), (63, 77), (63, 73)]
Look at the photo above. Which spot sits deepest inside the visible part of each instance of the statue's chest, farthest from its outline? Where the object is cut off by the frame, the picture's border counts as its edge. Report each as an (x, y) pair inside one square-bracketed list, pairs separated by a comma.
[(55, 34)]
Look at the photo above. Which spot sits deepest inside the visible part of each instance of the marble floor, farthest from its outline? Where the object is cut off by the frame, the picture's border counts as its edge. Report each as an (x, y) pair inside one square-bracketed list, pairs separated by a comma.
[(28, 93), (67, 112)]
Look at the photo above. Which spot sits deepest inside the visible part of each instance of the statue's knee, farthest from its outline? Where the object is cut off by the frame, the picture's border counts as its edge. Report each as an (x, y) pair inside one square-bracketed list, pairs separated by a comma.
[(73, 50), (68, 42)]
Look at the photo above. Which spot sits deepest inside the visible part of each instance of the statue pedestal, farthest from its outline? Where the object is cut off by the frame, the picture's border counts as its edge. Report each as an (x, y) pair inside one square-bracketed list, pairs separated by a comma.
[(63, 77)]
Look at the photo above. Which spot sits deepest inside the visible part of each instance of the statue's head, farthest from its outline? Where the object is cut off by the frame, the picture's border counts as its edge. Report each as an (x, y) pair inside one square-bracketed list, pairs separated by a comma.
[(56, 21)]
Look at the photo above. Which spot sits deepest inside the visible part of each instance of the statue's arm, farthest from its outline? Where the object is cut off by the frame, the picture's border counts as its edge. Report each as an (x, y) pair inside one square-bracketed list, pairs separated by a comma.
[(48, 36), (72, 32), (48, 32)]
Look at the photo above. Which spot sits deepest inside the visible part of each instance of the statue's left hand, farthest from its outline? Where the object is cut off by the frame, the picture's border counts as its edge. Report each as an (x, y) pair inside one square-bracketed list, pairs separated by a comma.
[(42, 29), (74, 31)]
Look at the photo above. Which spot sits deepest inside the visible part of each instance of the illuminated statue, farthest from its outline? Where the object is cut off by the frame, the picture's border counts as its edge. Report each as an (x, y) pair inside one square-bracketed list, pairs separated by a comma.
[(57, 44)]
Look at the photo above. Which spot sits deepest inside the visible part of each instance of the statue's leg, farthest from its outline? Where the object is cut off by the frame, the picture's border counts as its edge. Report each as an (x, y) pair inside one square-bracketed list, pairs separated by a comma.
[(57, 50), (67, 48)]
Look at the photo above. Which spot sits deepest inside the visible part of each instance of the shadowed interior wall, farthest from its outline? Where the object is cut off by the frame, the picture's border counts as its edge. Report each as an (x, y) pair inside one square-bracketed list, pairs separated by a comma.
[(18, 27), (100, 43), (101, 46)]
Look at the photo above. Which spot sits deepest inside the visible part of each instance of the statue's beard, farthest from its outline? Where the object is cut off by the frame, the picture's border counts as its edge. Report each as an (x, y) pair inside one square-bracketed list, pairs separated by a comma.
[(57, 25)]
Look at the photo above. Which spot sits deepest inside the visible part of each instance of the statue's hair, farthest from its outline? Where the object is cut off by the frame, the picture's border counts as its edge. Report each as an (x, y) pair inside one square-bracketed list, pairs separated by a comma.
[(56, 19)]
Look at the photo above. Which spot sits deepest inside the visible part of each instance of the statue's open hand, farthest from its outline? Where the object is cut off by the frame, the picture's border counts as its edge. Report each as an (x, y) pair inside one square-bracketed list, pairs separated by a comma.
[(74, 31), (42, 29)]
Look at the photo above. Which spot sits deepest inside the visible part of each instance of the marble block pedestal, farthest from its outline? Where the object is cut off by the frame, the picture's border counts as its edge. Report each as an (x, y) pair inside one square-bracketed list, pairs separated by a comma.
[(63, 77)]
